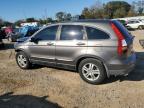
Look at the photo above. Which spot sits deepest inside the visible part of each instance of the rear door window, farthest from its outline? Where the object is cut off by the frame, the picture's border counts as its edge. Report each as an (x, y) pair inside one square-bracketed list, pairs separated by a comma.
[(71, 32), (93, 33)]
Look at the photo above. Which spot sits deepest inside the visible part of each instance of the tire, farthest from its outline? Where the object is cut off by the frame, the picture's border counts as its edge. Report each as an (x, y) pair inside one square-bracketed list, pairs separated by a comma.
[(88, 75), (22, 60)]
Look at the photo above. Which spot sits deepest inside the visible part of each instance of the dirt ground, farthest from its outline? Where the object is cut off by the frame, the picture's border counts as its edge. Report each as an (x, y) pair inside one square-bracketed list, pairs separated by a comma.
[(45, 87)]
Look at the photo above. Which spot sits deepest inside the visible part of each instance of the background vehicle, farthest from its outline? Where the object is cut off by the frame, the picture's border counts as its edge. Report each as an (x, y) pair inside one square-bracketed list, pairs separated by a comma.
[(123, 22), (142, 20), (135, 24), (94, 48), (23, 32), (1, 43), (2, 36)]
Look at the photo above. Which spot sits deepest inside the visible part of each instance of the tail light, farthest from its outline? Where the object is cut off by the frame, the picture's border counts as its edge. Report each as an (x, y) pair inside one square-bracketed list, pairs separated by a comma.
[(122, 45)]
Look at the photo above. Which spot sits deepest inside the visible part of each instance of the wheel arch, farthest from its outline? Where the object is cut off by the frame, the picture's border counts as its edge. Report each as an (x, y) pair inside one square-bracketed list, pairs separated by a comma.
[(93, 57), (22, 50)]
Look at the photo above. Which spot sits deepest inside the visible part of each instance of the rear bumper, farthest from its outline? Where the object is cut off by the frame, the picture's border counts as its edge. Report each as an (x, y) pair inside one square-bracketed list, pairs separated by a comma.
[(124, 67), (122, 71)]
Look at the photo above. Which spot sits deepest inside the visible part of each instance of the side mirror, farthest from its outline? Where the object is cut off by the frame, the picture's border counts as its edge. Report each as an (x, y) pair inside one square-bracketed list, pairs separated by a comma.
[(35, 40)]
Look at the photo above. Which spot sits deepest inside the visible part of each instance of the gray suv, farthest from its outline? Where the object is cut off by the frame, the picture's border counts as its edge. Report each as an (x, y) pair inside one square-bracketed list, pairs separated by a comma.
[(94, 48)]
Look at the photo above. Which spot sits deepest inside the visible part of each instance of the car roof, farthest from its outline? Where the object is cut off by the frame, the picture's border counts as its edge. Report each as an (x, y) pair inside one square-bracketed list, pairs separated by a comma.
[(84, 21), (90, 21)]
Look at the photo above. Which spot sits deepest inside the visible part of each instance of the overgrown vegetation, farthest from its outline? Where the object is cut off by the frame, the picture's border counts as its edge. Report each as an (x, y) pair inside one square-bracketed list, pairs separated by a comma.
[(113, 9)]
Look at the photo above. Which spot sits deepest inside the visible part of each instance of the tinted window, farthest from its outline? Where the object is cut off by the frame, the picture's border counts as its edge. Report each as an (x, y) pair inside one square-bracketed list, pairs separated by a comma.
[(136, 22), (48, 33), (93, 33), (133, 22), (71, 32), (130, 22)]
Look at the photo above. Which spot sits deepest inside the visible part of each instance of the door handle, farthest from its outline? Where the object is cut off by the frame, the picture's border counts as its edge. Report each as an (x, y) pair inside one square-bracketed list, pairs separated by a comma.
[(50, 44), (80, 43)]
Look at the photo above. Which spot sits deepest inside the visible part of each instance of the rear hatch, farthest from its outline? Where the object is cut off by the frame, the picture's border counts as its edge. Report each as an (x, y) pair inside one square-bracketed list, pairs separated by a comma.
[(128, 38)]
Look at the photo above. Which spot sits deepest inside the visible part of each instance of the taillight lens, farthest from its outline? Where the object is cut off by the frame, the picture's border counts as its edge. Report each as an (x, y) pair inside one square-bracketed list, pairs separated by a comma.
[(122, 45)]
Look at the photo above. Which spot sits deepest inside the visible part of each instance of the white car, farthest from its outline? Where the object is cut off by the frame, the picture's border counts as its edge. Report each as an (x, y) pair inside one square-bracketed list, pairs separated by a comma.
[(135, 24), (142, 20)]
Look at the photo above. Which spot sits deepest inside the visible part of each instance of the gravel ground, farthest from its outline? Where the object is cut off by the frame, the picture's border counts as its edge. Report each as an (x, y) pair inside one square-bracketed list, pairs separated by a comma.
[(44, 87)]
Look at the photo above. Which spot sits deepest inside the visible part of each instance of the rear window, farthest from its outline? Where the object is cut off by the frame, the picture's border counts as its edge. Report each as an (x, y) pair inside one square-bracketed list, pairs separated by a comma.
[(122, 29)]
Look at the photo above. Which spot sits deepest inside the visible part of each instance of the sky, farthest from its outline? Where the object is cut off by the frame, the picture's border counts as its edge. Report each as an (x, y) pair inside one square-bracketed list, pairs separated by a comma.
[(12, 10)]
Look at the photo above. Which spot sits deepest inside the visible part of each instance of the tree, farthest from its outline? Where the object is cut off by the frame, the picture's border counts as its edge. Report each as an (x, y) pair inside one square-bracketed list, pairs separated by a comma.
[(18, 23), (86, 13), (1, 22), (98, 4), (112, 8), (93, 13), (42, 21), (30, 20), (60, 16), (49, 20), (77, 17), (7, 23), (63, 16), (46, 21), (80, 16), (131, 12), (120, 13), (139, 6), (97, 13), (67, 17), (140, 10)]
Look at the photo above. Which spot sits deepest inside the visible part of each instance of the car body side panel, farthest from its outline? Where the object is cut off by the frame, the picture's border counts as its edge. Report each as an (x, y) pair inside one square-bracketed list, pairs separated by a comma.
[(42, 50), (68, 51)]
